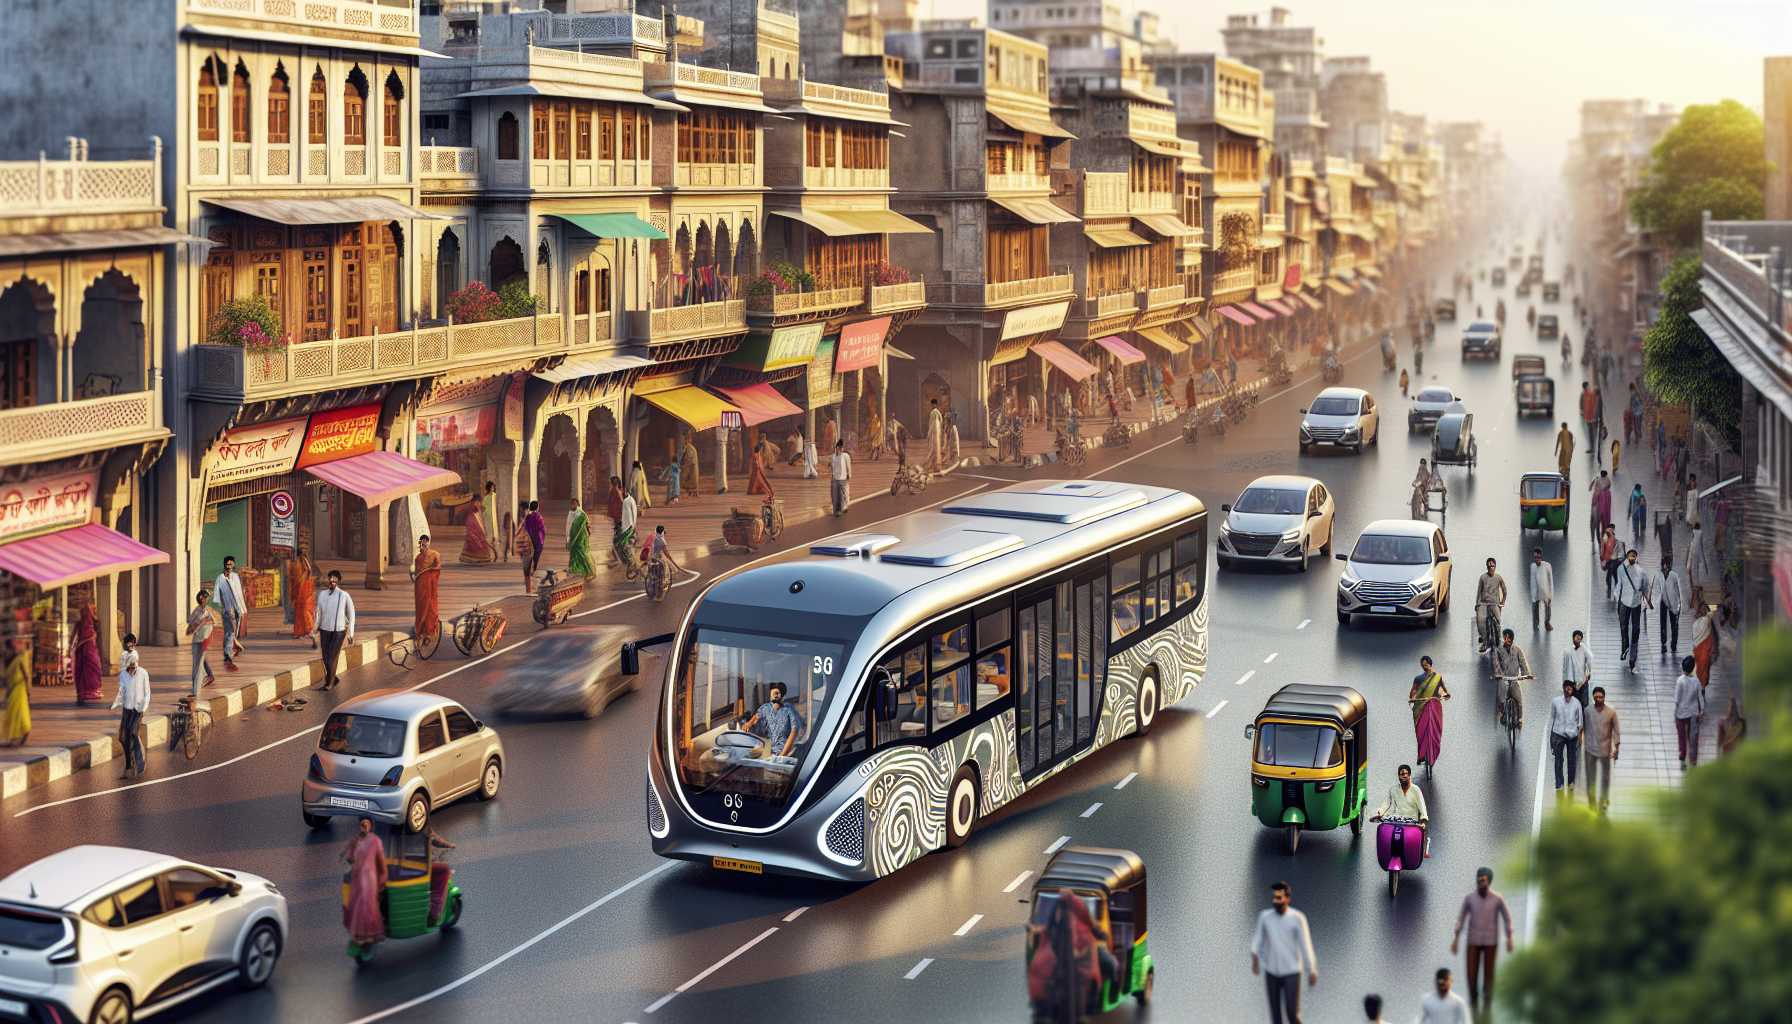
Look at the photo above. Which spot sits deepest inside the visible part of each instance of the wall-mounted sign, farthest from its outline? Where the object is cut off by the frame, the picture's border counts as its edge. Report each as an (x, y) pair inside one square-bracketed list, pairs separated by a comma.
[(283, 523), (340, 433), (263, 449), (458, 428), (513, 409), (823, 382), (1291, 279), (1034, 319), (861, 344), (47, 503), (780, 349)]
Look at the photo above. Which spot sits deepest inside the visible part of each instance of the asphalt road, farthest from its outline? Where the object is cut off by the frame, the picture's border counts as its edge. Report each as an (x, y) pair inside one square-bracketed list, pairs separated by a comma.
[(570, 916)]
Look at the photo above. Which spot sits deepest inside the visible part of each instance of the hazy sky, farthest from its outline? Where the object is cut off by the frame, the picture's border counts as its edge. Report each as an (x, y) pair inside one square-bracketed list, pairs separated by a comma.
[(1523, 66)]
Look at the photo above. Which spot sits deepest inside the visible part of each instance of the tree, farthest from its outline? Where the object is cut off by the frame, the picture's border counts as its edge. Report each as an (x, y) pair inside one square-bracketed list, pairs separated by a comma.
[(1714, 158), (1681, 366), (1672, 919)]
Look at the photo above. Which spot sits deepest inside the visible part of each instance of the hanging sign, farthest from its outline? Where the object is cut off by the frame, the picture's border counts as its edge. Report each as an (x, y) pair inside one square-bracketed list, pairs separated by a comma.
[(47, 503), (1034, 319), (779, 349), (263, 449), (459, 428), (283, 522), (340, 433), (513, 409), (861, 344)]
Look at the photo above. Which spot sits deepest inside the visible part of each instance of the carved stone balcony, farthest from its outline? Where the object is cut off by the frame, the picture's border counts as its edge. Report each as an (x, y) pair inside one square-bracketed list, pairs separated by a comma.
[(1170, 295), (1004, 293), (894, 298), (384, 18), (824, 300), (682, 323), (39, 432)]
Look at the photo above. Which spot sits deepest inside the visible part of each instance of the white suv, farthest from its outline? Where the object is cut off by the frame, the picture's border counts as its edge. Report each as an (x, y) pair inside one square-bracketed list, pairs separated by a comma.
[(1399, 569), (1340, 416), (106, 934)]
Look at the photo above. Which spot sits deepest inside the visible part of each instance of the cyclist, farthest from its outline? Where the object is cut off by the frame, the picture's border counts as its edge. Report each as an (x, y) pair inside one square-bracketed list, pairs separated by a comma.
[(1510, 664), (1490, 599)]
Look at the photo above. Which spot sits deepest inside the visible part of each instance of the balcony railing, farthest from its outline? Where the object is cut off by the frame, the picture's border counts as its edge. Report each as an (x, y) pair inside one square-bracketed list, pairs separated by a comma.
[(1019, 181), (822, 300), (387, 16), (1170, 295), (1231, 280), (844, 177), (1010, 292), (37, 432), (1739, 256), (681, 323), (79, 185), (1275, 222), (887, 298), (447, 162), (1151, 202), (1099, 306), (233, 374), (613, 28)]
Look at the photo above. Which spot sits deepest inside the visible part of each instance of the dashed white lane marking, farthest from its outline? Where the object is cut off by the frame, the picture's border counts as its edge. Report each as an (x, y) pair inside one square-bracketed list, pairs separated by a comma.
[(1245, 678), (794, 914), (1217, 707), (1272, 657), (1304, 623), (915, 971), (711, 969), (1056, 846), (965, 928), (1090, 813), (1129, 777), (1019, 880)]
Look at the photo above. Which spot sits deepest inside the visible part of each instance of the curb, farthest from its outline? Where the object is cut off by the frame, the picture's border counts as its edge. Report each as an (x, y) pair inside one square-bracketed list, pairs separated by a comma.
[(57, 763)]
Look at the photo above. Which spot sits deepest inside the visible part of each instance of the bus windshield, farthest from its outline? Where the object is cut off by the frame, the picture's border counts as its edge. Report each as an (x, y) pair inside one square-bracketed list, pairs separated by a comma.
[(745, 708)]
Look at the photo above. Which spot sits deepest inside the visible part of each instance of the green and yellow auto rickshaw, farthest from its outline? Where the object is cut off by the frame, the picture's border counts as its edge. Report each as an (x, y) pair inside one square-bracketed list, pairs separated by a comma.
[(1111, 886), (421, 897), (1310, 759), (1543, 502)]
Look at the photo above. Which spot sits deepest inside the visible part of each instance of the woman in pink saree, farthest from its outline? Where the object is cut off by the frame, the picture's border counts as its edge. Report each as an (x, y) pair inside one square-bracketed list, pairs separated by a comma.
[(366, 856), (87, 658), (477, 548), (1427, 698)]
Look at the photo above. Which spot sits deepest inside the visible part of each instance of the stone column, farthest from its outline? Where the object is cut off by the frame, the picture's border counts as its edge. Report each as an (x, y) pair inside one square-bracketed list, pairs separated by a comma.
[(378, 538), (721, 460), (578, 457)]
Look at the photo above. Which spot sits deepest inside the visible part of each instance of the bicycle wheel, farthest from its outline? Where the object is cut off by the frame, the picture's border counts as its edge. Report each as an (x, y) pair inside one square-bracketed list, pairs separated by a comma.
[(1512, 724), (491, 633), (429, 642), (464, 635), (399, 653), (195, 736)]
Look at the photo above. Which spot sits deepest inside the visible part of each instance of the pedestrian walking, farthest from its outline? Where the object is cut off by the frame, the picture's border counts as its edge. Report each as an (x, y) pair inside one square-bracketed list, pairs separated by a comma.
[(1689, 711), (1669, 590), (1372, 1009), (15, 690), (839, 477), (1704, 638), (132, 701), (228, 589), (1441, 1005), (537, 529), (637, 486), (1483, 911), (1601, 488), (1564, 449), (1566, 721), (86, 658), (1616, 448), (1639, 515), (1610, 557), (1632, 589), (335, 624), (810, 471), (1601, 739), (200, 626), (1577, 667), (1543, 589), (1281, 949), (1692, 500), (1589, 413)]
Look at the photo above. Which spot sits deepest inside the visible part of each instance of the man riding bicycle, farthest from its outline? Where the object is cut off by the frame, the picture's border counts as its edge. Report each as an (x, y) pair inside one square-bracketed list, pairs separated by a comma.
[(1510, 665), (1490, 599)]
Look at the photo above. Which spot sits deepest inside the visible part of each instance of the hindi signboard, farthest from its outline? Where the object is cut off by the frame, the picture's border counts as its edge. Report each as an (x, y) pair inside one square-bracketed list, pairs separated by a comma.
[(262, 449), (861, 344), (47, 503), (340, 433)]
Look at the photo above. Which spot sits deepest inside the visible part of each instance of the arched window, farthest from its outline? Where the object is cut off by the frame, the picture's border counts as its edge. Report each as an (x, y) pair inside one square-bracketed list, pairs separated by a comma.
[(317, 117), (207, 110), (239, 104), (354, 109), (279, 108), (509, 137), (393, 112)]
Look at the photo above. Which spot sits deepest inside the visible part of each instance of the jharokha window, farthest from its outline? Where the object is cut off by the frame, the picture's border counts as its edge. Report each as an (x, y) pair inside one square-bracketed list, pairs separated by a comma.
[(538, 132), (354, 110), (393, 112), (582, 133), (317, 111), (562, 131), (239, 104), (279, 108), (207, 109), (713, 137), (509, 145)]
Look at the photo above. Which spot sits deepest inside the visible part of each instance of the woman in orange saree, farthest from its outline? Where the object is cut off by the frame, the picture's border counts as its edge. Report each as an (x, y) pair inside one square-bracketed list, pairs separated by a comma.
[(426, 577), (301, 583)]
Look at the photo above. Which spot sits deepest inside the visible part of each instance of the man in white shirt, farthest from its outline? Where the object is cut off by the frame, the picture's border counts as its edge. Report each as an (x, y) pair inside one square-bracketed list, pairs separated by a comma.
[(227, 590), (839, 474), (1406, 800), (1631, 584), (1543, 588), (630, 516), (1577, 667), (1442, 1006), (1565, 721), (1281, 946), (1689, 711), (132, 701), (335, 624), (1669, 590)]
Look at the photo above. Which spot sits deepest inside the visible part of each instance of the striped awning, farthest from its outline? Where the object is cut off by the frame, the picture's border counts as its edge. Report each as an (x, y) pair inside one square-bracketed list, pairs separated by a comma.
[(1163, 339), (759, 402), (1309, 301), (1282, 306), (1236, 315), (380, 477), (1257, 311), (76, 555)]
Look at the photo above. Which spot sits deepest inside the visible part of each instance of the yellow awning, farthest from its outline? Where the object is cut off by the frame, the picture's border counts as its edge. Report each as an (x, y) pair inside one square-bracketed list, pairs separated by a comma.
[(1164, 224), (839, 223), (1160, 147), (1035, 210), (1163, 339), (1037, 124), (1113, 238), (693, 405)]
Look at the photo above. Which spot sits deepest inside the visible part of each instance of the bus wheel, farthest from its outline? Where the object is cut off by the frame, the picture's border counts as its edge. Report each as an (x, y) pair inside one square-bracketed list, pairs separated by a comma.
[(961, 807), (1147, 708)]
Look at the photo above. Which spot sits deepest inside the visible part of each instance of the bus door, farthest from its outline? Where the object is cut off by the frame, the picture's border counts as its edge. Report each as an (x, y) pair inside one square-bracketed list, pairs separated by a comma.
[(1061, 671)]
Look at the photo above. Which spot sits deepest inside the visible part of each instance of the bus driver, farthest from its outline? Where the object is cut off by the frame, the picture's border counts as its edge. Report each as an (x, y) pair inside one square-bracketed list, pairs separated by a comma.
[(778, 723)]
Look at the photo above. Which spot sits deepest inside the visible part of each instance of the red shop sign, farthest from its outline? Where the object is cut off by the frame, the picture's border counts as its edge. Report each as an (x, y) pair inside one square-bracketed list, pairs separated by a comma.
[(1291, 280), (861, 344), (340, 433)]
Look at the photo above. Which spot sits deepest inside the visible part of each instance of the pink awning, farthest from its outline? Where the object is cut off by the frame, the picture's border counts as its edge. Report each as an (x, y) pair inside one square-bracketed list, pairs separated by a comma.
[(1073, 365), (1257, 311), (380, 477), (76, 555), (1282, 306), (1236, 315), (1121, 350), (759, 402)]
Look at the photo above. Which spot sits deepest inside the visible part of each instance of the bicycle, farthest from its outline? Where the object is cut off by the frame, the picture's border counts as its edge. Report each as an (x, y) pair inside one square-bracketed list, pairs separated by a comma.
[(658, 581), (1509, 712), (423, 647), (1488, 638), (480, 627), (1071, 450), (188, 727)]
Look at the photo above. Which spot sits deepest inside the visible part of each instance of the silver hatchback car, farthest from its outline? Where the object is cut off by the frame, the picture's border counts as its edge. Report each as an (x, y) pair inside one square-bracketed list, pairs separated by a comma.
[(394, 756)]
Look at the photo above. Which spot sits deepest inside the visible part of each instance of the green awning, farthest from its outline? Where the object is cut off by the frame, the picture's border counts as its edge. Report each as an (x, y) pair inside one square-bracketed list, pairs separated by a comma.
[(612, 225)]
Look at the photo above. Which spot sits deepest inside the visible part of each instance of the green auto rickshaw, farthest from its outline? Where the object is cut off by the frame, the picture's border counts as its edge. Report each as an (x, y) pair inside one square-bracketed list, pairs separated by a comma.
[(1111, 885), (1543, 502), (1310, 759)]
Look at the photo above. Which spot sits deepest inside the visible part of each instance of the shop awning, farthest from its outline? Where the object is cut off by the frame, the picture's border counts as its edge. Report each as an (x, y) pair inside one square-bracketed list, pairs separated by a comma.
[(1035, 211), (840, 223), (380, 477), (1236, 315), (612, 225), (344, 210), (591, 366), (1309, 301), (1341, 289), (1163, 339), (1074, 366), (1158, 146), (91, 241), (1037, 124), (1164, 224), (1202, 326), (1121, 350), (758, 403), (1113, 238), (695, 406), (1368, 271), (1257, 311), (76, 555), (895, 353), (1282, 306), (1368, 286)]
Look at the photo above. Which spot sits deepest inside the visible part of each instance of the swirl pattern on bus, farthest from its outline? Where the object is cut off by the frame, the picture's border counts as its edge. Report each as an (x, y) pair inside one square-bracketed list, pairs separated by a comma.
[(906, 806)]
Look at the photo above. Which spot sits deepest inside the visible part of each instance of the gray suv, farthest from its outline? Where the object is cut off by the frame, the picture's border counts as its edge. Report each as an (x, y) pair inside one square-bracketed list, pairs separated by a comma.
[(394, 756)]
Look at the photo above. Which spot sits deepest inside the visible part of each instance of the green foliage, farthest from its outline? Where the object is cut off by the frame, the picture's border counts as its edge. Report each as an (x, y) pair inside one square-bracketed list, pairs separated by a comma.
[(515, 299), (1714, 158), (1681, 366), (1683, 915), (247, 323)]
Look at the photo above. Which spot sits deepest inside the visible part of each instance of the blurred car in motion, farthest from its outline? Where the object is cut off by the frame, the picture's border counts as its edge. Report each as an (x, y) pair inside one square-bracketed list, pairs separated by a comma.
[(576, 672)]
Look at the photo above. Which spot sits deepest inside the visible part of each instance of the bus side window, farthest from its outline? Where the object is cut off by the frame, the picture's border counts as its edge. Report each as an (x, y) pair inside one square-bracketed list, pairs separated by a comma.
[(1157, 585), (1191, 561), (994, 663), (900, 710), (1126, 596), (856, 737)]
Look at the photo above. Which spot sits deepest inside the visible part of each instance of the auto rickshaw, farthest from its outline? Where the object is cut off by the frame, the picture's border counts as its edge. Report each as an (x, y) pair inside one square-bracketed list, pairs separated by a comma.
[(1111, 886), (1536, 395), (1548, 326), (1552, 291), (1445, 310), (421, 894), (1310, 760), (1543, 502), (1453, 441)]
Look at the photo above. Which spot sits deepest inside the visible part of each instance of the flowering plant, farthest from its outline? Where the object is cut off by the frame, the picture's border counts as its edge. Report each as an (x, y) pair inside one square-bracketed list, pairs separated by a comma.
[(246, 323), (473, 304), (779, 279), (884, 272)]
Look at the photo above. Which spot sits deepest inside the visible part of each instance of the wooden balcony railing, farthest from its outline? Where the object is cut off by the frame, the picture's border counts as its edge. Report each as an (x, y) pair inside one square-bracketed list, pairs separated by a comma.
[(803, 303), (887, 298), (1004, 293), (1230, 280), (1170, 295), (1110, 305), (1019, 181), (681, 323), (38, 432)]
